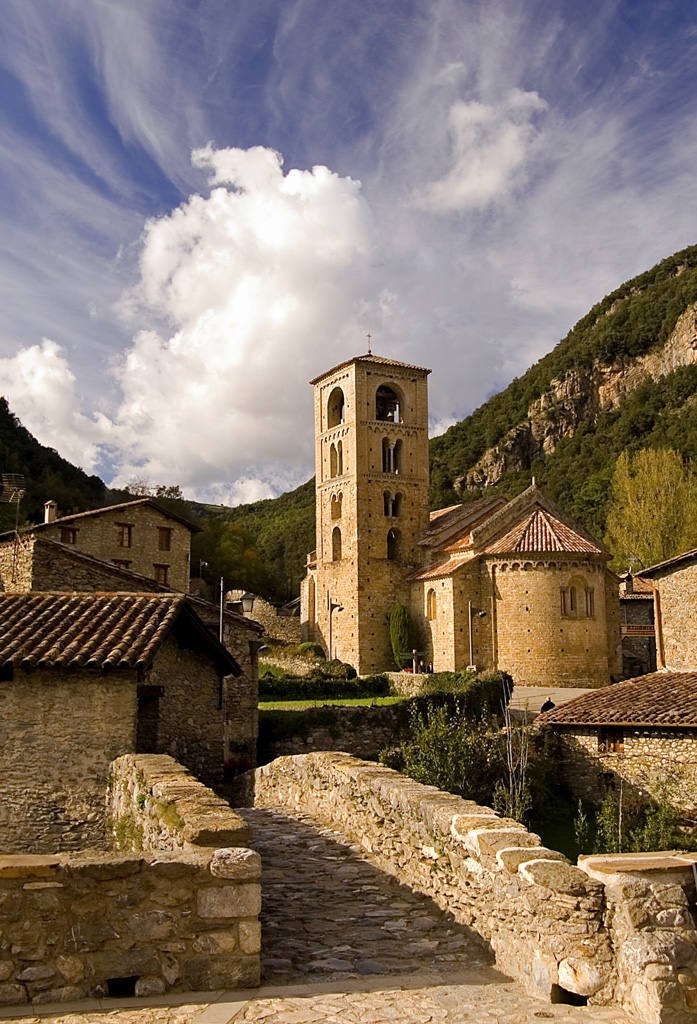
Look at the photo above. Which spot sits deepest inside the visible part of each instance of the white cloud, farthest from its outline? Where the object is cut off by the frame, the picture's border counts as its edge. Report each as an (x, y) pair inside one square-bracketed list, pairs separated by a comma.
[(41, 387), (263, 281), (490, 145)]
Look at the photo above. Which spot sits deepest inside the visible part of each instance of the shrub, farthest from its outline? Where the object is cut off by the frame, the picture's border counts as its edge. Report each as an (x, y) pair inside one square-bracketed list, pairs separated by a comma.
[(319, 685), (481, 696), (400, 632), (309, 647)]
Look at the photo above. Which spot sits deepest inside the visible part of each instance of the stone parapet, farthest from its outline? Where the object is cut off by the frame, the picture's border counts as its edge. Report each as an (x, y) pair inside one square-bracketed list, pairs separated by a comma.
[(79, 925), (652, 930), (543, 917), (154, 803)]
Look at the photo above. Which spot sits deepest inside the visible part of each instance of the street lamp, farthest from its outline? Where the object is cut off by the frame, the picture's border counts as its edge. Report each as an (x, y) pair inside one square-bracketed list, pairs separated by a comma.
[(247, 600), (333, 606), (471, 613)]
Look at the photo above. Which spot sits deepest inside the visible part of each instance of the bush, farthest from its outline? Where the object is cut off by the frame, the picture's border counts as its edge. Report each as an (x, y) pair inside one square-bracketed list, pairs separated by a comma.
[(481, 696), (309, 647), (320, 685)]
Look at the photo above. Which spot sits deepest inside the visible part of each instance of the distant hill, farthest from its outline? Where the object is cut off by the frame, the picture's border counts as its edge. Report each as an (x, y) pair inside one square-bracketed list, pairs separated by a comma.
[(625, 377)]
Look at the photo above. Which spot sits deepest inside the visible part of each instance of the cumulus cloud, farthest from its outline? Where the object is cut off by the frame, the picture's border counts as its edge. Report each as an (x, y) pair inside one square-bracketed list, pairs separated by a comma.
[(42, 389), (262, 281), (490, 145)]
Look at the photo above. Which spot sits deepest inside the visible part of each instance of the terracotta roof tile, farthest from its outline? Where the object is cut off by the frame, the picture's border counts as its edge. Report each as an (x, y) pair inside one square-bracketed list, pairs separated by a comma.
[(443, 568), (88, 630), (541, 531), (666, 699)]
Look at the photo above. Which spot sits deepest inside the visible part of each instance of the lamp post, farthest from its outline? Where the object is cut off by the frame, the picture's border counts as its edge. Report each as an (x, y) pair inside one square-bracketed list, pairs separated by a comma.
[(471, 612), (333, 606)]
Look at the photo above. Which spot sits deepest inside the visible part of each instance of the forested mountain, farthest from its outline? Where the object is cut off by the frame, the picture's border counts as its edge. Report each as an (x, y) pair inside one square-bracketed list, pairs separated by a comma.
[(624, 378)]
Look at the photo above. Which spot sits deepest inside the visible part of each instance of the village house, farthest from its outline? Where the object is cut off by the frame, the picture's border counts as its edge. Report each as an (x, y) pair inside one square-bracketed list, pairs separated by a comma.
[(517, 585), (674, 587), (86, 677), (642, 732), (141, 535)]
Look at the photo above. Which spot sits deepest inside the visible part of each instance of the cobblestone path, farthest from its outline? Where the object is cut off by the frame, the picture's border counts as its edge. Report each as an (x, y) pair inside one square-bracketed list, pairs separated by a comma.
[(346, 944), (328, 913)]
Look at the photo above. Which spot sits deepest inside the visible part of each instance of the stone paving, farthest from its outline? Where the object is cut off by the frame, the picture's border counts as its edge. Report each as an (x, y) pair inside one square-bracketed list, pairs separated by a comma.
[(345, 944)]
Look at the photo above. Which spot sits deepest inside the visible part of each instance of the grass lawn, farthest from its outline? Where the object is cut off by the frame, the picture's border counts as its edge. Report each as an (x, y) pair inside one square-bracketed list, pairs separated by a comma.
[(300, 705)]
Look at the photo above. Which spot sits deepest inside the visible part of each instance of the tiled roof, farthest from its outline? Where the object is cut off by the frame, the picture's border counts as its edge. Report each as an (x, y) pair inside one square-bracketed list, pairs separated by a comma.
[(459, 520), (541, 531), (669, 563), (443, 568), (659, 699), (94, 630), (377, 360)]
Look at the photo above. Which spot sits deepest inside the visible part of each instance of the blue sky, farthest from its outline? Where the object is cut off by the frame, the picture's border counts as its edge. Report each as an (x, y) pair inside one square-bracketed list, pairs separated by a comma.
[(204, 204)]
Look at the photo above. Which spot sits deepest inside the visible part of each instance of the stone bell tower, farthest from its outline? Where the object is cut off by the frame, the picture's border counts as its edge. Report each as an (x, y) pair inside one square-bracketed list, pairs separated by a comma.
[(371, 495)]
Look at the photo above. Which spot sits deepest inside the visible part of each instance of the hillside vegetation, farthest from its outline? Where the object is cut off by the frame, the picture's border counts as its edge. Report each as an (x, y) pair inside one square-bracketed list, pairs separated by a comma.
[(263, 546)]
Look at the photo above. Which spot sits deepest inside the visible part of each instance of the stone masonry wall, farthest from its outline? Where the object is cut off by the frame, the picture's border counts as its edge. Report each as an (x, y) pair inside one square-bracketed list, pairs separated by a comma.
[(542, 916), (16, 564), (154, 803), (57, 738), (651, 757), (184, 915), (279, 627), (678, 589), (100, 534)]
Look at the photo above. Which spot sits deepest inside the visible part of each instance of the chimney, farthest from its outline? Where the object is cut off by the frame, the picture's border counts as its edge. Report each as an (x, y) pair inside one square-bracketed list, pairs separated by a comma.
[(50, 511)]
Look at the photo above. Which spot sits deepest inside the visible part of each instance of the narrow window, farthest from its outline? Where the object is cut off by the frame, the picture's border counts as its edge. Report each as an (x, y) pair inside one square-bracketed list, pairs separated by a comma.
[(335, 506), (333, 461), (387, 451), (397, 505), (397, 457), (590, 603), (68, 535), (336, 544), (562, 595), (431, 604), (572, 600), (340, 458), (161, 573), (387, 503), (125, 535), (393, 539), (164, 538)]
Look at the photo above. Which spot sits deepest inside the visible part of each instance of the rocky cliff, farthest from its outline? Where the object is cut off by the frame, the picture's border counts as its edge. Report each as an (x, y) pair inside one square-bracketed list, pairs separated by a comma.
[(578, 400)]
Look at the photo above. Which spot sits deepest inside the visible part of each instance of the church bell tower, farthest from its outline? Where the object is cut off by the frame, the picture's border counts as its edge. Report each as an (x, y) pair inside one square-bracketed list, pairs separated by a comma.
[(371, 497)]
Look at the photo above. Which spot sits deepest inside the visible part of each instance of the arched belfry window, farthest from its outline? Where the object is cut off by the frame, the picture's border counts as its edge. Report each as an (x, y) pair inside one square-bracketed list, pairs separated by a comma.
[(431, 607), (387, 404), (392, 504), (336, 544), (335, 408), (336, 503), (391, 456), (397, 505), (393, 544)]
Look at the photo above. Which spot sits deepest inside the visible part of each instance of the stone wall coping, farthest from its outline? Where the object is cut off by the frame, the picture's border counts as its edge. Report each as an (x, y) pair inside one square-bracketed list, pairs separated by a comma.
[(207, 820), (617, 868)]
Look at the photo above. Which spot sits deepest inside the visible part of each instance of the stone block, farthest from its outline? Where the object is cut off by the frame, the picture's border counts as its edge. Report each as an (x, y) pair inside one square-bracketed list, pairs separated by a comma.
[(250, 936), (202, 974), (150, 985), (557, 876), (10, 994), (71, 967), (7, 968), (229, 901), (238, 864), (40, 972), (215, 943), (511, 857), (585, 977), (117, 963), (64, 994), (89, 936)]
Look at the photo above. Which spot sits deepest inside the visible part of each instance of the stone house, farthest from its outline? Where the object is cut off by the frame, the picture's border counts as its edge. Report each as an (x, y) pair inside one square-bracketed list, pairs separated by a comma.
[(43, 564), (637, 626), (642, 731), (141, 535), (512, 585), (674, 587), (86, 677)]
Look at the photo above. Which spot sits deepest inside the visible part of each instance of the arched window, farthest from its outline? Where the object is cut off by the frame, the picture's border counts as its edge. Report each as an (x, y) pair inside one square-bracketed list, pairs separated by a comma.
[(397, 505), (336, 544), (577, 600), (340, 458), (397, 457), (387, 404), (333, 461), (393, 544), (387, 503), (391, 456), (431, 604), (336, 503), (335, 408)]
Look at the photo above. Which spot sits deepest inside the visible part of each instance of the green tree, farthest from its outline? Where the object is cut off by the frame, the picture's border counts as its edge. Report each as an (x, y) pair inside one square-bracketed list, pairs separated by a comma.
[(653, 509), (400, 632)]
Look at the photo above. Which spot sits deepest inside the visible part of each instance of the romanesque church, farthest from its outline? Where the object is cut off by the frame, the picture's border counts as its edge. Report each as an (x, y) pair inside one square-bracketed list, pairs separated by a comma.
[(517, 585)]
